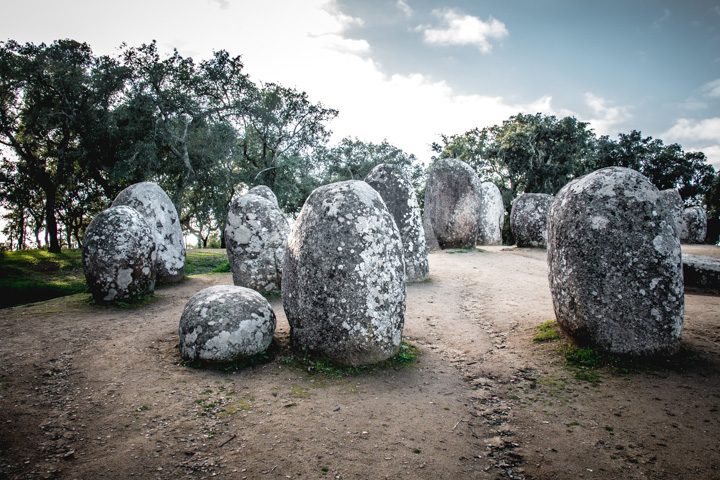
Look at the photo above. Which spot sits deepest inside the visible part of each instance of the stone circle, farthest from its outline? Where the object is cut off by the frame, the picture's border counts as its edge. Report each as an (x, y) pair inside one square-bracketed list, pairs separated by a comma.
[(528, 219), (225, 323)]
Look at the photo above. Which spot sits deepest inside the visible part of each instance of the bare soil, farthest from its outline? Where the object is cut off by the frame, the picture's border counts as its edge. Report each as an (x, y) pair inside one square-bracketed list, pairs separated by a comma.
[(90, 392)]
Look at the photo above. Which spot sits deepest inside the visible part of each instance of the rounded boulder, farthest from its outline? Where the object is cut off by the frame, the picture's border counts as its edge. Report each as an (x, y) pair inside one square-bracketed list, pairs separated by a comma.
[(265, 192), (397, 192), (256, 233), (118, 255), (151, 201), (225, 323), (528, 219), (453, 203), (492, 215), (696, 223), (344, 277), (614, 264)]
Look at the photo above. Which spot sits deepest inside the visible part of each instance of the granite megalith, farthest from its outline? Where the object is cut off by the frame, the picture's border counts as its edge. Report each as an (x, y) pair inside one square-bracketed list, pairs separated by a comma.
[(614, 264), (674, 202), (155, 206), (397, 192), (528, 219), (256, 233), (344, 276), (225, 323), (492, 215), (118, 255), (696, 223), (265, 192), (453, 203)]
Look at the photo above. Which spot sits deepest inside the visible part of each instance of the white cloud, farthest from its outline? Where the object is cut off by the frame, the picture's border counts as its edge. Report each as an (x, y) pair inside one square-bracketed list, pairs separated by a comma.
[(405, 8), (712, 89), (459, 29), (604, 118), (697, 135)]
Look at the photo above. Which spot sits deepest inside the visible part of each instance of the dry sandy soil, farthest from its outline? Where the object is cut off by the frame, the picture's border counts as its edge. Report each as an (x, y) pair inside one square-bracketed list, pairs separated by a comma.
[(91, 392)]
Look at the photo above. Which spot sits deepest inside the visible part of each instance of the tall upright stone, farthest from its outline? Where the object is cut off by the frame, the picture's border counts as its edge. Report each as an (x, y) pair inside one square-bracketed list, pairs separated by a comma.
[(453, 203), (256, 233), (614, 264), (397, 192), (265, 192), (674, 203), (151, 201), (492, 215), (528, 219), (344, 277), (696, 222)]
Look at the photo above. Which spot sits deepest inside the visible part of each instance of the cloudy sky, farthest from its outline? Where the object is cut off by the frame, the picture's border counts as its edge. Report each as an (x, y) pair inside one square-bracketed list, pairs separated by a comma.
[(409, 70)]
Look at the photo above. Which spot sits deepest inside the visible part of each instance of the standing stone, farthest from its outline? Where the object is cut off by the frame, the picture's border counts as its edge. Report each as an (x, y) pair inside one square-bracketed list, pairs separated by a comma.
[(674, 203), (614, 264), (119, 255), (431, 242), (344, 277), (265, 192), (528, 219), (155, 206), (696, 222), (225, 323), (256, 233), (397, 192), (492, 215), (453, 203)]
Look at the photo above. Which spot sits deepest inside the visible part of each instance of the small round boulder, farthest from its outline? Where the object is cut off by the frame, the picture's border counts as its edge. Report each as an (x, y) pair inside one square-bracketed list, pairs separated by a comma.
[(696, 222), (528, 219), (396, 191), (155, 206), (344, 277), (225, 323), (492, 215), (119, 255), (614, 264)]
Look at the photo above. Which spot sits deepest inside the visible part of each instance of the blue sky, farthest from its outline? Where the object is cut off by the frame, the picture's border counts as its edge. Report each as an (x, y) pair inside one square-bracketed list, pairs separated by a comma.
[(408, 70)]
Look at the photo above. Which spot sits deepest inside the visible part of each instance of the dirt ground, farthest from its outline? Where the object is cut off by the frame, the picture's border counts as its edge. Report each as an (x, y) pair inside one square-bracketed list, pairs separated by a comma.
[(91, 392)]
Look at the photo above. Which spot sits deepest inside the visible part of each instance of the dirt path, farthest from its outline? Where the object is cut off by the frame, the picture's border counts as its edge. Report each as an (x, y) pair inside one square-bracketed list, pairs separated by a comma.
[(96, 392)]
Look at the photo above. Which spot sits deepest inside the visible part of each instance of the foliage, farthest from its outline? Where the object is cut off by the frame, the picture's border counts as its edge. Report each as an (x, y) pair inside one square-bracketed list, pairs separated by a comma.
[(202, 263)]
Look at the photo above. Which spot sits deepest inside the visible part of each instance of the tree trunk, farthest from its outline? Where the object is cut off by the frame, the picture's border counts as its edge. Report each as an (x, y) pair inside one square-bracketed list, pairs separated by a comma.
[(51, 220)]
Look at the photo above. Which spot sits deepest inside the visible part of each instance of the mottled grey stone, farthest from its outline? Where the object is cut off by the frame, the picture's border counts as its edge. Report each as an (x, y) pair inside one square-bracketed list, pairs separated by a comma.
[(696, 222), (528, 219), (492, 215), (674, 203), (397, 192), (344, 277), (256, 233), (431, 242), (614, 264), (453, 203), (225, 323), (119, 255), (155, 206), (701, 272), (265, 192)]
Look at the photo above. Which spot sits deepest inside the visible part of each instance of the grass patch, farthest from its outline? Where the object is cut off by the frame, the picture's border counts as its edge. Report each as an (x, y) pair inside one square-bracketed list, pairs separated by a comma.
[(203, 263), (547, 332)]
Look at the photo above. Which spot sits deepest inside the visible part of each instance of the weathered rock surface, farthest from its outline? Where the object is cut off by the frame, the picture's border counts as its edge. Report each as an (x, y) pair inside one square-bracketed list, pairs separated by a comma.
[(674, 203), (431, 242), (225, 323), (155, 206), (528, 219), (701, 272), (119, 255), (256, 233), (492, 215), (397, 192), (453, 203), (265, 192), (344, 277), (696, 222), (614, 264)]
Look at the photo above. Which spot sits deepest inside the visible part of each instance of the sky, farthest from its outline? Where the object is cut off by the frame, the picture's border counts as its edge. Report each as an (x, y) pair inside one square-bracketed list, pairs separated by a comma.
[(407, 71)]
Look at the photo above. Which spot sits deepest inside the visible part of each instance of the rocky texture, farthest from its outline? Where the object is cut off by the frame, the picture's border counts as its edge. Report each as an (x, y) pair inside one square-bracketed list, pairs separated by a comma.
[(492, 215), (701, 272), (119, 255), (696, 222), (256, 233), (397, 192), (155, 206), (431, 242), (674, 203), (344, 277), (528, 219), (453, 203), (265, 192), (614, 264), (225, 323)]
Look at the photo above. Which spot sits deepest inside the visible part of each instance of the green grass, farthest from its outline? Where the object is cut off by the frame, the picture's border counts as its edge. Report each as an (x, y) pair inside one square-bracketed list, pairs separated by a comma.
[(203, 263), (547, 332)]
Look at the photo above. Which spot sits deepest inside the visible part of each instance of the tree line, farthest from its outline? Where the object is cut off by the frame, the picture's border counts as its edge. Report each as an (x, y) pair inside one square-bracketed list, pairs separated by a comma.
[(77, 128)]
